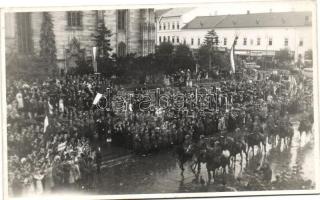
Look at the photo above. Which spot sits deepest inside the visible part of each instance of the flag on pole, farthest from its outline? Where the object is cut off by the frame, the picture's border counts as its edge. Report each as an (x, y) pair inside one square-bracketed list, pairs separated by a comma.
[(45, 124), (62, 146), (97, 98), (233, 68), (61, 105), (50, 108)]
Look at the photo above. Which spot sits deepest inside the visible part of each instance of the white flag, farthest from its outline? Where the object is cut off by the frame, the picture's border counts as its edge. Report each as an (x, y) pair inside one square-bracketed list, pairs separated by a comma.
[(62, 146), (50, 108), (45, 124), (233, 68), (97, 98), (61, 105)]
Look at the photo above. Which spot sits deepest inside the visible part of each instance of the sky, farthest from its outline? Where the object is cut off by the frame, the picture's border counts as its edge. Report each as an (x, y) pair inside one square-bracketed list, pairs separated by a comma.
[(253, 7)]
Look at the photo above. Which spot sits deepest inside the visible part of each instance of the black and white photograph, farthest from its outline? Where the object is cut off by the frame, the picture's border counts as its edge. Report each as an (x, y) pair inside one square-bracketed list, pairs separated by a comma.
[(191, 99)]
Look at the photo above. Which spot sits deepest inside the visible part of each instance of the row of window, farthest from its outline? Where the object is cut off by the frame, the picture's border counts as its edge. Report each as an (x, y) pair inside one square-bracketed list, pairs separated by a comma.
[(74, 18), (258, 42), (169, 26), (175, 39)]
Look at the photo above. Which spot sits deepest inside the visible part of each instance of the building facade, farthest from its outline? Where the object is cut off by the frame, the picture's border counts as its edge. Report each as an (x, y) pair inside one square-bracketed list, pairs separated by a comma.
[(259, 34), (169, 23), (133, 32)]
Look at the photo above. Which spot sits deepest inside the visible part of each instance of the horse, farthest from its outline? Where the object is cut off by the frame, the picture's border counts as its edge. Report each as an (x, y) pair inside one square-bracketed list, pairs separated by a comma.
[(255, 139), (234, 146), (215, 159), (305, 126), (286, 133), (185, 155)]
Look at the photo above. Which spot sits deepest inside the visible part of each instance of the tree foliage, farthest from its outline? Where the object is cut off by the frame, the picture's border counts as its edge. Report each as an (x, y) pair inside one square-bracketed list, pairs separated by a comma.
[(183, 58), (164, 56), (48, 51), (283, 56), (211, 39), (102, 40)]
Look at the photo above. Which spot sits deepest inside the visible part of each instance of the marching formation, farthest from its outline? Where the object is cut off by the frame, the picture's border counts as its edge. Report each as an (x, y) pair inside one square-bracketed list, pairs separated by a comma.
[(55, 132)]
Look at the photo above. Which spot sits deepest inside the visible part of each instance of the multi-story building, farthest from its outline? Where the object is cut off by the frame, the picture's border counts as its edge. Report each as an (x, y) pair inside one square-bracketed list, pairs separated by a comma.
[(258, 34), (133, 31), (169, 23)]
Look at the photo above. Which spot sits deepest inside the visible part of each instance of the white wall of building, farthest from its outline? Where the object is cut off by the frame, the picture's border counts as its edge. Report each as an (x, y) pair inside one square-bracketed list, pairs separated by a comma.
[(277, 35), (173, 25)]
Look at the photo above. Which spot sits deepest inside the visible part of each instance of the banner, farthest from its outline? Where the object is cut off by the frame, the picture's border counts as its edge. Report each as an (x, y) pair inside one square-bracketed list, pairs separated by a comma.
[(62, 146), (97, 98), (45, 124), (233, 68)]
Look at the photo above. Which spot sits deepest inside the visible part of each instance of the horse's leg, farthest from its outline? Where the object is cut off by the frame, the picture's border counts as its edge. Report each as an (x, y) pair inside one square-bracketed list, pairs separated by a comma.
[(199, 166), (181, 166), (209, 176), (253, 151)]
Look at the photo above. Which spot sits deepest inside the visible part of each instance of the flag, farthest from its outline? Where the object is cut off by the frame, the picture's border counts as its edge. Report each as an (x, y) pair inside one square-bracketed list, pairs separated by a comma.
[(61, 105), (97, 98), (50, 108), (45, 124), (19, 100), (62, 146), (233, 68)]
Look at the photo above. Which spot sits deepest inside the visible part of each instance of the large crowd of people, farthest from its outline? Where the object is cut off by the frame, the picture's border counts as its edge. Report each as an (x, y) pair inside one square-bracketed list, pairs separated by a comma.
[(55, 132)]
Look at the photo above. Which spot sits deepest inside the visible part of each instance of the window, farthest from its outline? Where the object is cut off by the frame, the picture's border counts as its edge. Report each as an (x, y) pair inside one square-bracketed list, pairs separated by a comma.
[(286, 42), (164, 26), (74, 19), (192, 41), (173, 39), (199, 41), (244, 41), (301, 43), (122, 50), (24, 31), (160, 26), (258, 41), (160, 39), (225, 41), (164, 38), (178, 25), (168, 38), (306, 18), (178, 39), (184, 41), (121, 19), (173, 26), (270, 41)]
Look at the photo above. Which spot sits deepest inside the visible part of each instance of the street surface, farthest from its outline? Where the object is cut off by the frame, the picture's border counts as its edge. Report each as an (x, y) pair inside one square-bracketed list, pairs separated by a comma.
[(160, 173)]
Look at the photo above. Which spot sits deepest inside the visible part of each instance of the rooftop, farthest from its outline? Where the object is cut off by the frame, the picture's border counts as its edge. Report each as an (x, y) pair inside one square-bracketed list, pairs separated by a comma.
[(160, 12), (176, 12), (281, 19)]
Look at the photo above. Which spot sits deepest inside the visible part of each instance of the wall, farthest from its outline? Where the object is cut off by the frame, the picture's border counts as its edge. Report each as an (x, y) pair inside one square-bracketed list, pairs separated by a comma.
[(278, 35)]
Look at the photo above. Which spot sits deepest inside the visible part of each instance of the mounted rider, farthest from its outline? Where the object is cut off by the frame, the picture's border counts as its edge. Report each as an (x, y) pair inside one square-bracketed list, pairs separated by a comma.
[(202, 145), (187, 144)]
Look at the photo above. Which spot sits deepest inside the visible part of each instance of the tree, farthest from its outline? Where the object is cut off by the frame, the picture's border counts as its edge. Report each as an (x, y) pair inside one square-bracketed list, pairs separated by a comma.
[(308, 61), (207, 49), (211, 39), (48, 51), (164, 55), (183, 58), (283, 57), (102, 42)]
